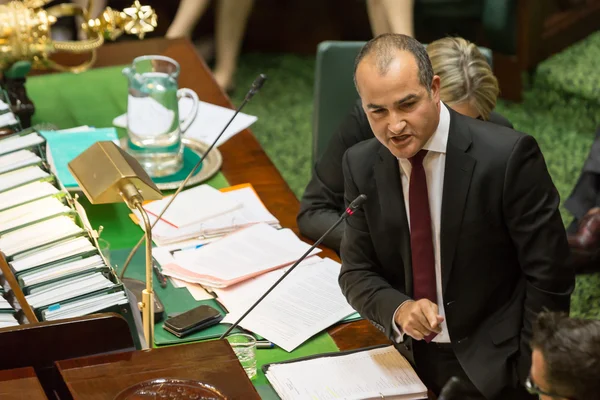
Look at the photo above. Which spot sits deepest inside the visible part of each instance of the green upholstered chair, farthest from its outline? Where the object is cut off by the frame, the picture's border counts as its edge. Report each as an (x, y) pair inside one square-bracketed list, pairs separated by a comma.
[(334, 91)]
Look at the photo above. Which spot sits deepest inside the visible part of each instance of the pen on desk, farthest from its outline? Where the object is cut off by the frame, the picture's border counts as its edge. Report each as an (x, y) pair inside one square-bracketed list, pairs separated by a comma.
[(185, 248), (263, 344), (162, 280)]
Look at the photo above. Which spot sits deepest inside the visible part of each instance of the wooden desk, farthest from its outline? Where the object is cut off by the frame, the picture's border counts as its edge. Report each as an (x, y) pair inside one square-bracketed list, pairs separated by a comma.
[(103, 377), (20, 383), (243, 158)]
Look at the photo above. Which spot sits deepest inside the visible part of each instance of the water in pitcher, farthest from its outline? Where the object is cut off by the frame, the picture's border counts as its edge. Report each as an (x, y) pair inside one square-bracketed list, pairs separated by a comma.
[(153, 124)]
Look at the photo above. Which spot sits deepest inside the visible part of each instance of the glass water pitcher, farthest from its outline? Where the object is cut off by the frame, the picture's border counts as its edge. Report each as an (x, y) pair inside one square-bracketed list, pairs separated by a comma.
[(153, 123)]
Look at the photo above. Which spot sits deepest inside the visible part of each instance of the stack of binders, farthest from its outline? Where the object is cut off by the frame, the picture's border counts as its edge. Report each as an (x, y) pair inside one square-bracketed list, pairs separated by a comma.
[(53, 256), (8, 120)]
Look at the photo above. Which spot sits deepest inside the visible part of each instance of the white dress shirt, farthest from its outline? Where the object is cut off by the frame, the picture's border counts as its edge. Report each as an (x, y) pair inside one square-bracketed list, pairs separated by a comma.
[(434, 164)]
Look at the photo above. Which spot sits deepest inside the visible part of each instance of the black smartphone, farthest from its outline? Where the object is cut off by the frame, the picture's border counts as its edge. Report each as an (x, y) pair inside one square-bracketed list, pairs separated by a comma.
[(193, 320)]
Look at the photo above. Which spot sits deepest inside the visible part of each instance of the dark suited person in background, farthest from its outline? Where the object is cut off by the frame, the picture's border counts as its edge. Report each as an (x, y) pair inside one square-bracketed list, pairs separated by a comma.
[(584, 204), (460, 244), (468, 86)]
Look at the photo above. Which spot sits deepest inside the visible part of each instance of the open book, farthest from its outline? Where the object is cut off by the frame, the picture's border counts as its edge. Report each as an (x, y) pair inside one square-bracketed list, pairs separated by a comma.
[(377, 373)]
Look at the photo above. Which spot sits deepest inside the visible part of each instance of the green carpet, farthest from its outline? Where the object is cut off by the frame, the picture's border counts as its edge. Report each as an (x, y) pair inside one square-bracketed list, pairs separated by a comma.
[(561, 109)]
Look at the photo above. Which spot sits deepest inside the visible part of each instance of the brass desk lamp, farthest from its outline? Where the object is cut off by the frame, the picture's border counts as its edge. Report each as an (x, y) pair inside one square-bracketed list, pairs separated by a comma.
[(107, 174)]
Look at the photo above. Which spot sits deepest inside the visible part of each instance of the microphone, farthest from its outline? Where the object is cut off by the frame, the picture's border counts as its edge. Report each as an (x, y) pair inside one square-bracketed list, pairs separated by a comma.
[(456, 389), (256, 85), (356, 203)]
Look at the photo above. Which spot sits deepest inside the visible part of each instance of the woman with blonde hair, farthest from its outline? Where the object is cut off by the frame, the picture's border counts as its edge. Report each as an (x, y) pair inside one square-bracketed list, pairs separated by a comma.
[(468, 86)]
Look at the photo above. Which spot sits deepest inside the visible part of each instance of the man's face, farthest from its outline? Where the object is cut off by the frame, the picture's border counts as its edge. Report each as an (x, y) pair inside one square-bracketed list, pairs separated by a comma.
[(401, 112), (538, 376)]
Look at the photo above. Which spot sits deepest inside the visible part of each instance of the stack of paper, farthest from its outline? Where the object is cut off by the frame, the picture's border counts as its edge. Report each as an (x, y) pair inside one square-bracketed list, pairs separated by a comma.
[(10, 180), (7, 320), (239, 256), (31, 212), (63, 250), (26, 193), (60, 269), (84, 306), (192, 206), (250, 211), (18, 159), (368, 374), (38, 234), (4, 305), (163, 256), (306, 302), (17, 142), (67, 289), (8, 119)]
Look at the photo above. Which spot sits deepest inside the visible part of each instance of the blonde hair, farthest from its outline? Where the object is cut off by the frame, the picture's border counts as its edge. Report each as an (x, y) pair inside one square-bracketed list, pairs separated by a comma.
[(465, 74)]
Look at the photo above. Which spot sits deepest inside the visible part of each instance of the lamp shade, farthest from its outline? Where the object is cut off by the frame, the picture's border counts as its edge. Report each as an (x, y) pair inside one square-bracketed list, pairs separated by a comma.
[(104, 167)]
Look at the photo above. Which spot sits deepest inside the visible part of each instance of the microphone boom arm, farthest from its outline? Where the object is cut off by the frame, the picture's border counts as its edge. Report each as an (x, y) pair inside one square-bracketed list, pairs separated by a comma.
[(349, 211), (256, 85)]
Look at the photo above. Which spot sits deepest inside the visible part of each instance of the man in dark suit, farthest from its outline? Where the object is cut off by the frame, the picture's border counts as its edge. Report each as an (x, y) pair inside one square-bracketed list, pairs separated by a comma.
[(584, 204), (323, 200), (460, 243), (586, 193)]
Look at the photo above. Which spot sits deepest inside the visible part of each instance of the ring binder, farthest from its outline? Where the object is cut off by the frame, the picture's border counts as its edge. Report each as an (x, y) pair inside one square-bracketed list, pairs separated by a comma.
[(27, 191)]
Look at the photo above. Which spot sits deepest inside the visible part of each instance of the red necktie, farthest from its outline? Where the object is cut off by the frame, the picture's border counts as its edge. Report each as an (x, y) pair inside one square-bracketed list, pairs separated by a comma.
[(421, 237)]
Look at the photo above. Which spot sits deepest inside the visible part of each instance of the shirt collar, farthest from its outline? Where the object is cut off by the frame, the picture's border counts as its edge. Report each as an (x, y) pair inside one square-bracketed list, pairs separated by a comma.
[(439, 140)]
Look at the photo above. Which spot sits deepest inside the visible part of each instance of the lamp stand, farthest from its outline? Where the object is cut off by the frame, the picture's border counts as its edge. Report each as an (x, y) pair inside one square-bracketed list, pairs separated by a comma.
[(147, 303), (133, 198)]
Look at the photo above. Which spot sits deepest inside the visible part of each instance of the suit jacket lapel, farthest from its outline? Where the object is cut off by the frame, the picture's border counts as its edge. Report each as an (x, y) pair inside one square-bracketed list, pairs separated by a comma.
[(457, 179), (389, 188)]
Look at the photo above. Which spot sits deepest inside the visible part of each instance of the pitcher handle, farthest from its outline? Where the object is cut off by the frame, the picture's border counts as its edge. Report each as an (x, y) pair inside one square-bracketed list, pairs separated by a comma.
[(189, 119)]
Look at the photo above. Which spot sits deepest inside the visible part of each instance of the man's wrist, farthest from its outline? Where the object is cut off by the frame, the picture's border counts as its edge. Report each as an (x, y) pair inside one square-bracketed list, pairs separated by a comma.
[(398, 309), (396, 327)]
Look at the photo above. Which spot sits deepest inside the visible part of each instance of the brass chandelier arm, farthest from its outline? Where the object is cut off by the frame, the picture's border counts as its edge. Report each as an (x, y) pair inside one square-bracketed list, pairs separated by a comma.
[(74, 69), (36, 3), (80, 46)]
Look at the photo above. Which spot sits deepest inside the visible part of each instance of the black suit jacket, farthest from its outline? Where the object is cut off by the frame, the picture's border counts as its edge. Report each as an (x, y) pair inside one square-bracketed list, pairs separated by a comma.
[(323, 199), (586, 193), (503, 245)]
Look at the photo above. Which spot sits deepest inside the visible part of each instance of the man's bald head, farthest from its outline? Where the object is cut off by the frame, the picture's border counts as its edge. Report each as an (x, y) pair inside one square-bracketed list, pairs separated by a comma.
[(383, 49)]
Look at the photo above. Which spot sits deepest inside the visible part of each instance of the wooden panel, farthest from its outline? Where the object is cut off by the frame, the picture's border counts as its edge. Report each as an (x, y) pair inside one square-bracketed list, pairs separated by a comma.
[(212, 363), (41, 344), (357, 335), (20, 383)]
